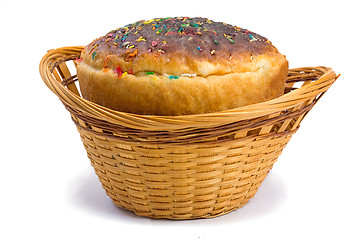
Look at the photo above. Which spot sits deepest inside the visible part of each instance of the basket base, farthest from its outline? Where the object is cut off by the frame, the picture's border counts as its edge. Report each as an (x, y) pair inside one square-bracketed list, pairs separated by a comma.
[(183, 209), (200, 214)]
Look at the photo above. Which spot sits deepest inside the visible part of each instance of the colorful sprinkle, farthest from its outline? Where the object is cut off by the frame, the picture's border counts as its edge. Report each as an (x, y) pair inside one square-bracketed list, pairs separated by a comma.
[(106, 61), (149, 73), (252, 38), (193, 24), (162, 19), (147, 22), (229, 38), (125, 44), (118, 71), (171, 76), (169, 32), (93, 56), (154, 43), (140, 39), (132, 54)]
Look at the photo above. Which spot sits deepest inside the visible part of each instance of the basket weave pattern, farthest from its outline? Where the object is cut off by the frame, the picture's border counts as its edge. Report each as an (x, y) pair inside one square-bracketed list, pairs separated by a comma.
[(184, 167)]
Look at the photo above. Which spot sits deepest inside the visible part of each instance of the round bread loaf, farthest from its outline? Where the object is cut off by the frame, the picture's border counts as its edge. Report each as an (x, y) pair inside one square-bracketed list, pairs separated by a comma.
[(178, 66)]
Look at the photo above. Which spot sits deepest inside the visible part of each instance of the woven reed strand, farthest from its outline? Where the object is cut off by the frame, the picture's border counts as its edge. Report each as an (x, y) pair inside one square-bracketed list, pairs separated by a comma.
[(184, 167)]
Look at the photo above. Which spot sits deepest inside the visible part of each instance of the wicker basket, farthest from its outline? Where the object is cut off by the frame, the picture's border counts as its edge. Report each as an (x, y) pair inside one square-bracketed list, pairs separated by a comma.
[(184, 167)]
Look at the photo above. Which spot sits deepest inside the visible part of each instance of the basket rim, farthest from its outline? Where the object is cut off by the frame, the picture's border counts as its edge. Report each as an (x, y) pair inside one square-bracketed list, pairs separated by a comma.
[(155, 122)]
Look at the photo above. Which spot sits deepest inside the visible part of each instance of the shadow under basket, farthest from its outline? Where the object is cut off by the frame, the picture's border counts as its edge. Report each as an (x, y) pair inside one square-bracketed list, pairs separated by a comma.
[(184, 167)]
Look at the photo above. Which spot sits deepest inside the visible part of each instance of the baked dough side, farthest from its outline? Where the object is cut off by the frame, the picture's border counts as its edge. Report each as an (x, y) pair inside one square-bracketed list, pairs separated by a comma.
[(261, 78)]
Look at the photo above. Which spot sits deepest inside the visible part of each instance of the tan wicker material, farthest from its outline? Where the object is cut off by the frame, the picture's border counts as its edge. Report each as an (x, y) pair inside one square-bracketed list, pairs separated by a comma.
[(184, 167)]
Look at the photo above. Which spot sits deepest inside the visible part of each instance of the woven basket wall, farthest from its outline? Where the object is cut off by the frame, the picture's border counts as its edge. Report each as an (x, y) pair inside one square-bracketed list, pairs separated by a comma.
[(184, 167)]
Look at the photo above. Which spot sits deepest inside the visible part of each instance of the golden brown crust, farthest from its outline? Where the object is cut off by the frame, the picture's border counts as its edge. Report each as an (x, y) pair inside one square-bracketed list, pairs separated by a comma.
[(158, 95), (203, 67)]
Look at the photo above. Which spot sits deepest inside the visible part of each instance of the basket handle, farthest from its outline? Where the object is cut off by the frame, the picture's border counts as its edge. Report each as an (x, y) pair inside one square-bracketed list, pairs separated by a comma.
[(317, 81)]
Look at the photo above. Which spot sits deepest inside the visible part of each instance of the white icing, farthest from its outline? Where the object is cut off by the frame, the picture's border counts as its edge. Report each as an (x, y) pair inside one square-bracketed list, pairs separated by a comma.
[(188, 75)]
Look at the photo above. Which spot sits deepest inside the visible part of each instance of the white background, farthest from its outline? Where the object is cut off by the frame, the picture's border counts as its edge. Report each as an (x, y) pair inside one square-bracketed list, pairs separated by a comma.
[(48, 188)]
